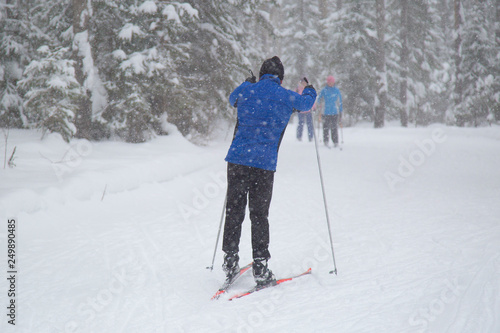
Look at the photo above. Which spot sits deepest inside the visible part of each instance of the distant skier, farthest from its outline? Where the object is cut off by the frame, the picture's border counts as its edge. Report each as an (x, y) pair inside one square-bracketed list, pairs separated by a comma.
[(304, 117), (264, 109), (331, 115)]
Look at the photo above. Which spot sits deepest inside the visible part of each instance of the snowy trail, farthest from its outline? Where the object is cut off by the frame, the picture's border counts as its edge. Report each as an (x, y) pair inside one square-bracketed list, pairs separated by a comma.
[(418, 253)]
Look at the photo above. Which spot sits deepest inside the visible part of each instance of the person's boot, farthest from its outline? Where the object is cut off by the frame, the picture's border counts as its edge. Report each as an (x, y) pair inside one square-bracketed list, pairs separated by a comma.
[(231, 266), (261, 273)]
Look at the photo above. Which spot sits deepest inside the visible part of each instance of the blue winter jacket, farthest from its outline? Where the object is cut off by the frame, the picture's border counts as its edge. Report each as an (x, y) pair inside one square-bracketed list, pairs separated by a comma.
[(331, 95), (264, 109)]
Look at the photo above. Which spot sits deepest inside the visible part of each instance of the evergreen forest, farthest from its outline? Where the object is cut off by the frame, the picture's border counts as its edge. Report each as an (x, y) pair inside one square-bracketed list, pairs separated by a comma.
[(100, 69)]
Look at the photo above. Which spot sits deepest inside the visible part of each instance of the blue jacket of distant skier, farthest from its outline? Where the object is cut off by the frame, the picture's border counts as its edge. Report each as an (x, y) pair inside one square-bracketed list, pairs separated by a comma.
[(331, 95), (264, 109)]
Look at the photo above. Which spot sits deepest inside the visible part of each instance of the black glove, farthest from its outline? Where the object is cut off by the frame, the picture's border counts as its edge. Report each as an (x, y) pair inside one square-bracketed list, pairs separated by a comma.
[(310, 86), (251, 79)]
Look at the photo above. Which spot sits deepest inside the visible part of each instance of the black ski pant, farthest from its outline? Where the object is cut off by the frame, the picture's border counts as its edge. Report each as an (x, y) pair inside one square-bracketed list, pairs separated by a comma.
[(257, 185), (330, 125)]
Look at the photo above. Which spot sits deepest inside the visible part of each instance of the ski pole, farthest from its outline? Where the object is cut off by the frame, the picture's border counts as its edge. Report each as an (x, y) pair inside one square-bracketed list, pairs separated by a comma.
[(319, 121), (218, 233), (326, 207), (341, 132)]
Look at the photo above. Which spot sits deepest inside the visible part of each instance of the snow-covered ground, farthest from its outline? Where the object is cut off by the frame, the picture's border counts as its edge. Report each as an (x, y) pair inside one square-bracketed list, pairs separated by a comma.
[(116, 237)]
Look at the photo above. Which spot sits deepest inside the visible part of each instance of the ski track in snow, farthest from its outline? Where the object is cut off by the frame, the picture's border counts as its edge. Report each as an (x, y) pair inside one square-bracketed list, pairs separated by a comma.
[(420, 255)]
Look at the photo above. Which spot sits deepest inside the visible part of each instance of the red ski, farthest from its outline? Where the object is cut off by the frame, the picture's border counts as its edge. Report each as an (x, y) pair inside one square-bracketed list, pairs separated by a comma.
[(257, 288), (227, 284)]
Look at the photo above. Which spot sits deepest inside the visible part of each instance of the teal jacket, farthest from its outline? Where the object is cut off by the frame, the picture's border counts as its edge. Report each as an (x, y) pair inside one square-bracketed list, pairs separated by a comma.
[(331, 95)]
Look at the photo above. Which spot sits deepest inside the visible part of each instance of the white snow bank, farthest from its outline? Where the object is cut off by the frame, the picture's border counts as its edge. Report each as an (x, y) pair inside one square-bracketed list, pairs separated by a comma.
[(51, 170)]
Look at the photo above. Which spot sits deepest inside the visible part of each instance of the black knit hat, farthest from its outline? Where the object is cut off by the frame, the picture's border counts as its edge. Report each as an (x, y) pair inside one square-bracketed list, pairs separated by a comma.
[(272, 66)]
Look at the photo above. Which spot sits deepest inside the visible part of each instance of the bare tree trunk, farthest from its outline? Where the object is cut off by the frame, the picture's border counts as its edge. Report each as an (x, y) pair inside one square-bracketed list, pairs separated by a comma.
[(404, 64), (324, 11), (83, 119), (497, 30), (302, 52), (458, 56), (495, 111), (277, 17), (444, 7), (263, 33), (381, 97)]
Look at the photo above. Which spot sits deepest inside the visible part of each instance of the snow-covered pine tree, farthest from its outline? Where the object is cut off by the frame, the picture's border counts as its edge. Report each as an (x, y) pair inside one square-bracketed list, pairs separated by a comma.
[(26, 26), (404, 55), (300, 41), (266, 23), (380, 65), (88, 119), (420, 44), (495, 111), (348, 53), (221, 48), (14, 55), (478, 65), (441, 79), (139, 60), (457, 58), (52, 93), (325, 26)]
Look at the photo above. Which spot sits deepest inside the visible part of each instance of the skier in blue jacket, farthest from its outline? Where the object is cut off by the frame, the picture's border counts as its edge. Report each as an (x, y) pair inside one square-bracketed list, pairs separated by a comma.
[(304, 117), (331, 115), (264, 109)]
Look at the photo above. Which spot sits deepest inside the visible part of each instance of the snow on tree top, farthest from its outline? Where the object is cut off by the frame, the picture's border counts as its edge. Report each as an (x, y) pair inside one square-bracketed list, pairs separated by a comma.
[(171, 14), (119, 54), (44, 49), (136, 62), (59, 82), (148, 7), (128, 30), (188, 9)]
